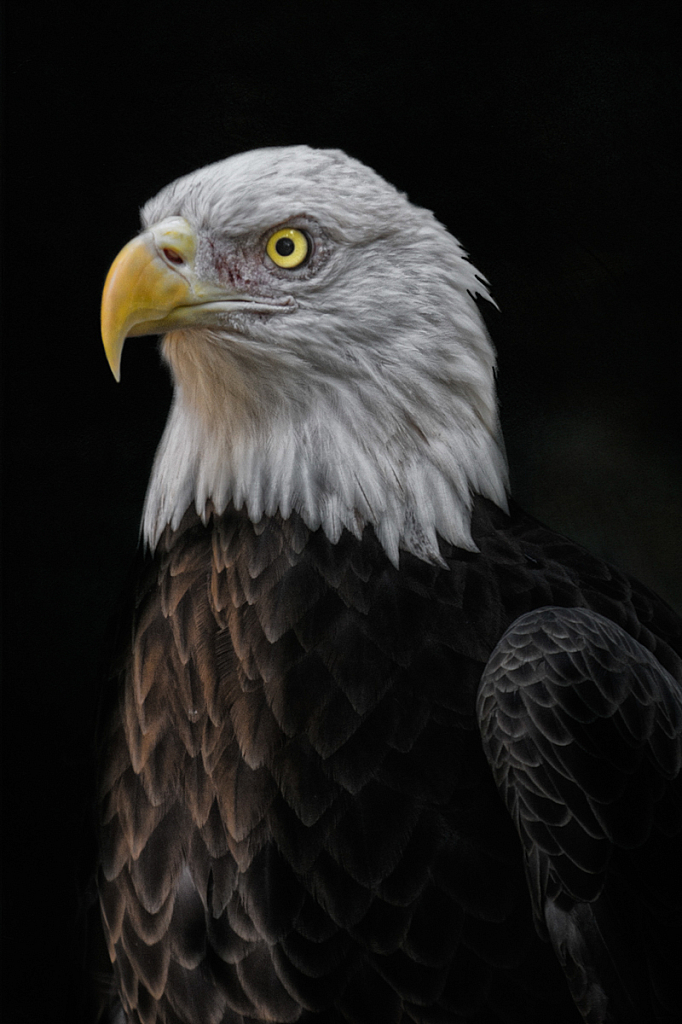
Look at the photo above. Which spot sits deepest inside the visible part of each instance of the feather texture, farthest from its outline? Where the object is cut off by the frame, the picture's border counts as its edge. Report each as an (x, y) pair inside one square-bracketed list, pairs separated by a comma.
[(583, 729), (284, 876)]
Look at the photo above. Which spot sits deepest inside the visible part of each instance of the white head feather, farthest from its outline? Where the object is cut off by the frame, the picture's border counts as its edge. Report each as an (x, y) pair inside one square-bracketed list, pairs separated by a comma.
[(370, 399)]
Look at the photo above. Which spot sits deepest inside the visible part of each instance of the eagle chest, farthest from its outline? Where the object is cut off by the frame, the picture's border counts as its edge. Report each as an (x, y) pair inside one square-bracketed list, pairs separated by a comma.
[(284, 695)]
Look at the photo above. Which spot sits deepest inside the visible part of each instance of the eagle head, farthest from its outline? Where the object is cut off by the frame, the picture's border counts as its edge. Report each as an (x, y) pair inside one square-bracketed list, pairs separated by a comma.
[(326, 348)]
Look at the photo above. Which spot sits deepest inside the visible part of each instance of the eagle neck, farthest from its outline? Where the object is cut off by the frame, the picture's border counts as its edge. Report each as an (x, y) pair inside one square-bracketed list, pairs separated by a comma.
[(341, 463)]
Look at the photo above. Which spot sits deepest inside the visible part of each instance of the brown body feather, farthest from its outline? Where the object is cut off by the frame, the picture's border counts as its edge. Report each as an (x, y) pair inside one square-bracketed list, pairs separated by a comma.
[(299, 822)]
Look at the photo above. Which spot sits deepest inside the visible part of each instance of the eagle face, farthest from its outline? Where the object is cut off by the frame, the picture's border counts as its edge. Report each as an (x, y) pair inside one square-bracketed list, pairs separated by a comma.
[(364, 262), (326, 347)]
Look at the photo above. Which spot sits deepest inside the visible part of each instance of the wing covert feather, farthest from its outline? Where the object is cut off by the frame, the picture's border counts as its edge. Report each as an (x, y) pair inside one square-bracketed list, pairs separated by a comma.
[(582, 727)]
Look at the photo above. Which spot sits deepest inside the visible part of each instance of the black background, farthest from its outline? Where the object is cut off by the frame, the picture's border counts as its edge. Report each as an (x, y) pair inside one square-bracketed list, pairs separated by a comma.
[(545, 136)]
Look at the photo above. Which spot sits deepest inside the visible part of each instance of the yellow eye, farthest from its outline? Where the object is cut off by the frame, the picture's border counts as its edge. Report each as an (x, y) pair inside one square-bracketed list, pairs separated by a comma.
[(288, 247)]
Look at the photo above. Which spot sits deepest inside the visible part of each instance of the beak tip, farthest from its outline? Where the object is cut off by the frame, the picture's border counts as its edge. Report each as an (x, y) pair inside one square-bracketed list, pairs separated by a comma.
[(114, 361)]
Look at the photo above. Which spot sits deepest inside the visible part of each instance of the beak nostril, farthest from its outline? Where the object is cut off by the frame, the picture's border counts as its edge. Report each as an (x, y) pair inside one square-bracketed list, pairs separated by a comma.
[(173, 256)]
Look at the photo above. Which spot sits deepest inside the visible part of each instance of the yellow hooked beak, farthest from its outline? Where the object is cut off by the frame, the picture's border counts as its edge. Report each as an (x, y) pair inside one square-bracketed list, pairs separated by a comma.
[(152, 288), (149, 279)]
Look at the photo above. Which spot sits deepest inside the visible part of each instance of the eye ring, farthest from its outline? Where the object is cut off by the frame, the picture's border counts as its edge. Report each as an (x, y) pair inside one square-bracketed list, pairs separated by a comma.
[(288, 248)]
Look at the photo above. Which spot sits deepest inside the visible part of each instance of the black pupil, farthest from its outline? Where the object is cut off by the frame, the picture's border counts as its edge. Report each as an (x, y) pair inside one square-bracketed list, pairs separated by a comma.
[(284, 246)]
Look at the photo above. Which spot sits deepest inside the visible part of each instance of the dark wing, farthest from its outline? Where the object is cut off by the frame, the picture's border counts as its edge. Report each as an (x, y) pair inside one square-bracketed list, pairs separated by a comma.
[(583, 730)]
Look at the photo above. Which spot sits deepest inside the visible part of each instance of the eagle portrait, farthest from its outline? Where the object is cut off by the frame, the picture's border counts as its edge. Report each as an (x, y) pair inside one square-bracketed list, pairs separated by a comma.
[(382, 748)]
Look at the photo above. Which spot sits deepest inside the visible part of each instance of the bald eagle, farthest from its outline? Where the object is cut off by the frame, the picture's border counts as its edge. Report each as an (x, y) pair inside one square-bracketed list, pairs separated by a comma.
[(384, 749)]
